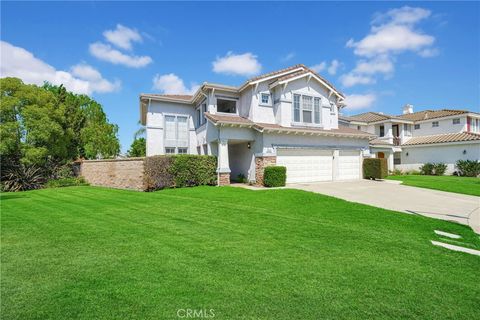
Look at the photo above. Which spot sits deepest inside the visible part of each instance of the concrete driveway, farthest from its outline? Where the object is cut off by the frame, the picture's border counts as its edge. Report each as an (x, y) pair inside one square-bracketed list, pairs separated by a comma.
[(391, 195)]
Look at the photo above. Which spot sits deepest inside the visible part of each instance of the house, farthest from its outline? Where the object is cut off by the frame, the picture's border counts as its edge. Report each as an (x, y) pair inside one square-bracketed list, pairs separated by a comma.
[(288, 117), (414, 138)]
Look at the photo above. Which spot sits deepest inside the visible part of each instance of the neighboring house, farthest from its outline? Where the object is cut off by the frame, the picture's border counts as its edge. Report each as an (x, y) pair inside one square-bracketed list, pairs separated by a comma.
[(414, 138), (287, 117)]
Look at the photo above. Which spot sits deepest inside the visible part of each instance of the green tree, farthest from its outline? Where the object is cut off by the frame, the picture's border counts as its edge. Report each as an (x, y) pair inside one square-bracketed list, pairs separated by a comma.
[(138, 148)]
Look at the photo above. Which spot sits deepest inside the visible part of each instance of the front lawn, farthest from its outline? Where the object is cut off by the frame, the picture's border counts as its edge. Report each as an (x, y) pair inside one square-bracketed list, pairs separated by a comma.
[(95, 253), (465, 185)]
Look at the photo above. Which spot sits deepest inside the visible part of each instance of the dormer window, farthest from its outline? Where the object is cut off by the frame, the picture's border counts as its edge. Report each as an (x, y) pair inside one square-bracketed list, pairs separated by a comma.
[(435, 124), (307, 109)]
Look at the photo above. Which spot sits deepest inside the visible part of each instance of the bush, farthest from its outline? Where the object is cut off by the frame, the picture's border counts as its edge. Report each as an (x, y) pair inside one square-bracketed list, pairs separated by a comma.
[(179, 171), (469, 168), (66, 182), (241, 178), (375, 168), (439, 169), (22, 178), (397, 172), (193, 170), (274, 176), (433, 169), (427, 169)]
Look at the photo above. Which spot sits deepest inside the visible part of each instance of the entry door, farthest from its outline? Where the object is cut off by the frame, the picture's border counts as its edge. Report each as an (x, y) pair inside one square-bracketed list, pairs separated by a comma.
[(349, 165), (306, 165)]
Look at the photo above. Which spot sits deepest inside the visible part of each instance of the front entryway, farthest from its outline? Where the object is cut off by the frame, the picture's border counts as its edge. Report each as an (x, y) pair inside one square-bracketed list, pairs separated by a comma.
[(306, 165)]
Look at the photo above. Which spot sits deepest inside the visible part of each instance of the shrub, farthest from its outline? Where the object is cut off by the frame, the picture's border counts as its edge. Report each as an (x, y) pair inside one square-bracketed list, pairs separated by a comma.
[(241, 178), (469, 168), (22, 178), (397, 172), (157, 175), (427, 169), (433, 169), (193, 170), (413, 172), (179, 171), (274, 176), (375, 168), (439, 169), (66, 182)]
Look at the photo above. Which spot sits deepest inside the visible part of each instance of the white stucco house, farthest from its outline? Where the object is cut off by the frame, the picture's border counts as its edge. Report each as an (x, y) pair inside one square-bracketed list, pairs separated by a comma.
[(413, 138), (288, 117)]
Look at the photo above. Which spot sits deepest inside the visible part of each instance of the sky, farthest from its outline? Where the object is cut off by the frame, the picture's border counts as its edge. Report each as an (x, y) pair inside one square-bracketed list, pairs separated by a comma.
[(381, 55)]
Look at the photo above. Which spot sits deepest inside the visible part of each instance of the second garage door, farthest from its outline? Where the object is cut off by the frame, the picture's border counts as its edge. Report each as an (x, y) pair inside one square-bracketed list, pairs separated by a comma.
[(306, 165), (349, 165)]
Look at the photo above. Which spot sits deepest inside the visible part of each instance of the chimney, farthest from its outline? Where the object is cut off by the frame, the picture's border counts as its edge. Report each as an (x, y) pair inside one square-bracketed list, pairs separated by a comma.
[(408, 108)]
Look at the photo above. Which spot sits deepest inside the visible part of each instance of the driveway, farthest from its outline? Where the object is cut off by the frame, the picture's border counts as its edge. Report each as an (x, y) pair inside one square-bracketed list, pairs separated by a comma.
[(391, 195)]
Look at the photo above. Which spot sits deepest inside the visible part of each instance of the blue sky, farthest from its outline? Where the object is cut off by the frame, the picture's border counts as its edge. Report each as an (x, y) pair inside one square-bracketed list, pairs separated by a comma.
[(382, 55)]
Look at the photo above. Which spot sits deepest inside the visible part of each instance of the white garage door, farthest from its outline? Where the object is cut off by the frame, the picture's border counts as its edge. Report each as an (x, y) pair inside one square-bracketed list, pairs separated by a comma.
[(349, 165), (306, 165)]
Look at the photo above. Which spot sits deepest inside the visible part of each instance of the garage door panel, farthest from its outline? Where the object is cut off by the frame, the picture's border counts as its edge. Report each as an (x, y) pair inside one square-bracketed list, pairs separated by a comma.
[(349, 165), (306, 165)]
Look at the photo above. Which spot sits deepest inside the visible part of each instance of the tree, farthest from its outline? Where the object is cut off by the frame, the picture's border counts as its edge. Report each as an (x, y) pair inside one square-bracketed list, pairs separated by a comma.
[(138, 148)]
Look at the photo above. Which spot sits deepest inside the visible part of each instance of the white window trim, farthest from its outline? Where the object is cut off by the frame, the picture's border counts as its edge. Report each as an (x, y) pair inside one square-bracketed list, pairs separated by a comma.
[(203, 119), (435, 126), (176, 115), (270, 100), (301, 122), (457, 119)]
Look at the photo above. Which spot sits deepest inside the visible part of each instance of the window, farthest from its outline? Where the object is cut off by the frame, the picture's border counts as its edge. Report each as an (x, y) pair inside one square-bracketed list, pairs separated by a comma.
[(307, 109), (296, 108), (359, 127), (205, 149), (316, 107), (407, 129), (456, 121), (226, 106), (416, 127), (199, 117), (182, 150), (265, 98), (382, 131), (332, 108), (176, 134), (435, 124)]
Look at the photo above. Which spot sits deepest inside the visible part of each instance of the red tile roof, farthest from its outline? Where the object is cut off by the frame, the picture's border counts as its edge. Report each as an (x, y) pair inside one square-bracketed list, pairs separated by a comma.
[(443, 138), (431, 114)]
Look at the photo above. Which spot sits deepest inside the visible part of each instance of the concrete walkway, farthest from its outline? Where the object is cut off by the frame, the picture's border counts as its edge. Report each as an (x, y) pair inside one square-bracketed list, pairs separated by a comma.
[(456, 207)]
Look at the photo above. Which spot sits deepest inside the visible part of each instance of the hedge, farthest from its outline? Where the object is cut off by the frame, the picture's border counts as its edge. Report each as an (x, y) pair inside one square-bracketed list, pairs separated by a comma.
[(433, 169), (469, 168), (375, 168), (179, 171), (274, 176)]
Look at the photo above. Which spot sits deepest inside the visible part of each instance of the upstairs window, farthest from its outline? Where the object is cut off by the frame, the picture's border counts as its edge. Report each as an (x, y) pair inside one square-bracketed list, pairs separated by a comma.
[(226, 105), (407, 129), (201, 114), (382, 131), (176, 134), (456, 121), (296, 108), (435, 124), (317, 110), (265, 99), (307, 108), (332, 108), (416, 127)]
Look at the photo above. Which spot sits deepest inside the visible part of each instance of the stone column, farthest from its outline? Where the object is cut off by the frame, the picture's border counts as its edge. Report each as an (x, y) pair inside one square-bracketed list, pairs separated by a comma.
[(260, 164), (223, 168)]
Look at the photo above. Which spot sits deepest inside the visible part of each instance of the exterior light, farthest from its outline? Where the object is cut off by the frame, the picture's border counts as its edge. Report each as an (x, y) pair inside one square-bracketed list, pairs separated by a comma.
[(406, 154), (464, 152), (248, 145)]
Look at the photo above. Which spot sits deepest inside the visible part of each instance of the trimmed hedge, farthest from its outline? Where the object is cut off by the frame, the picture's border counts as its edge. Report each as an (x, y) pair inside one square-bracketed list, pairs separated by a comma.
[(433, 169), (469, 168), (375, 168), (274, 176), (179, 171)]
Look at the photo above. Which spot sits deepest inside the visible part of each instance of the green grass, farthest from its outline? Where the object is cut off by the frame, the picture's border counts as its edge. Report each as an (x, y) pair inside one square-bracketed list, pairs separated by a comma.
[(464, 185), (95, 253)]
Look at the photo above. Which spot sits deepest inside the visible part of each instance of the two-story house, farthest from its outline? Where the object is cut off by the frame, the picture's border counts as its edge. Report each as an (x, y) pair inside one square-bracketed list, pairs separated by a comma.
[(287, 117), (413, 138)]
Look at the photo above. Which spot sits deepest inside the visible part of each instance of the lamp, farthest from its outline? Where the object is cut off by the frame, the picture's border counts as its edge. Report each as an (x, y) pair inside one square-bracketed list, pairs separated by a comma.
[(464, 152), (406, 154), (248, 145)]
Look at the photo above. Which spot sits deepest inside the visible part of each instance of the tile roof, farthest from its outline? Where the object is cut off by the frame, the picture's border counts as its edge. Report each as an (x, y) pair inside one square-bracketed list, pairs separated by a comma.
[(431, 114), (185, 97), (380, 142), (368, 117), (266, 75), (442, 138), (341, 131)]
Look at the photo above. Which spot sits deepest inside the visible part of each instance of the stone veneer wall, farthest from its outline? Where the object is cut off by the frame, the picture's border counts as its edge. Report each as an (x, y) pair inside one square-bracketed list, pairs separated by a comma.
[(260, 164), (114, 173), (224, 179)]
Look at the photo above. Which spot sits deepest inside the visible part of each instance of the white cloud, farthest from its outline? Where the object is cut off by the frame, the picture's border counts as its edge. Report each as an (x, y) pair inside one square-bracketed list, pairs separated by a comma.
[(429, 52), (172, 84), (324, 65), (20, 63), (122, 37), (333, 67), (381, 64), (107, 53), (245, 64), (404, 15), (352, 79), (360, 101), (319, 67), (289, 56)]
